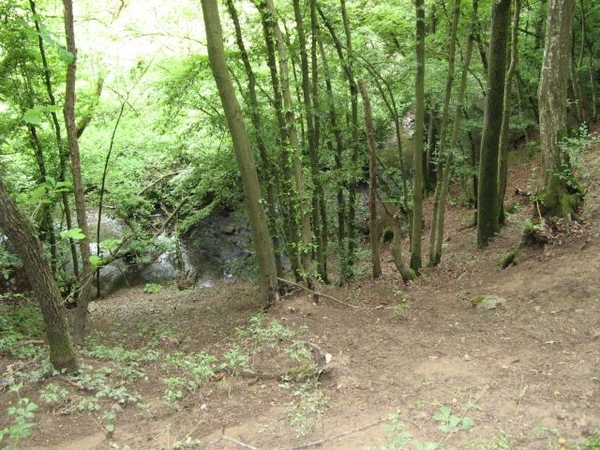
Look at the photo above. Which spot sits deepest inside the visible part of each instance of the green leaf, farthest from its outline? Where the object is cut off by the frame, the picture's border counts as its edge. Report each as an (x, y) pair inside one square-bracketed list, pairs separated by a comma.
[(73, 233), (96, 260), (443, 414), (467, 423), (65, 55), (38, 193), (34, 115)]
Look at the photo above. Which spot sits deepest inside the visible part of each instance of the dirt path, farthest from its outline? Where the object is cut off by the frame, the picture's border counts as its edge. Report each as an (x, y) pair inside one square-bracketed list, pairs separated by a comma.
[(525, 373)]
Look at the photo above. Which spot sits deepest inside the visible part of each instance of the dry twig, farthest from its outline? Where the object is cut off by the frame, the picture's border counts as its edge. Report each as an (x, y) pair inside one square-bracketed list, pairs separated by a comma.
[(320, 294)]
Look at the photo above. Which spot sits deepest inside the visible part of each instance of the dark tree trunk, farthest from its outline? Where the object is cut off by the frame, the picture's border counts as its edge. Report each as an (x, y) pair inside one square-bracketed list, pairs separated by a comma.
[(506, 113), (417, 217), (488, 214), (373, 228), (20, 233)]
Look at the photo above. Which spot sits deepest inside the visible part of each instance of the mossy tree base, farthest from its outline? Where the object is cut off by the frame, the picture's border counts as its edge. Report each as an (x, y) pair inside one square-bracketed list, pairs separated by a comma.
[(562, 198)]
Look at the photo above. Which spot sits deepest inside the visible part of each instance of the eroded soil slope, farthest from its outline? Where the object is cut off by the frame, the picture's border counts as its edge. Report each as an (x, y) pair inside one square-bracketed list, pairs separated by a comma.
[(526, 372)]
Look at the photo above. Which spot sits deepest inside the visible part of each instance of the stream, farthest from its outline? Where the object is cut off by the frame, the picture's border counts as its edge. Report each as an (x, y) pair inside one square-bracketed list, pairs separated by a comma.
[(214, 251)]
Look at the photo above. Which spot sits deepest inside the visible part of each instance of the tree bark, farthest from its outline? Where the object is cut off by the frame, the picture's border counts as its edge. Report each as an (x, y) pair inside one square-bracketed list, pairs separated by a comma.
[(266, 171), (506, 113), (20, 232), (243, 152), (285, 177), (86, 285), (445, 152), (337, 152), (417, 216), (561, 195), (373, 232), (349, 237), (300, 200), (488, 214)]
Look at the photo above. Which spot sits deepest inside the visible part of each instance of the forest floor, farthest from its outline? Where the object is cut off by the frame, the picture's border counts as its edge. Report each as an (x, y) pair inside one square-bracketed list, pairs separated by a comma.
[(414, 366)]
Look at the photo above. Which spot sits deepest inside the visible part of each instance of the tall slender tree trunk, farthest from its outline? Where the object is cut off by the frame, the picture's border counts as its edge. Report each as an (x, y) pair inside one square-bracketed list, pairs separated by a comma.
[(373, 232), (267, 171), (85, 289), (243, 152), (286, 177), (305, 245), (337, 150), (561, 195), (311, 132), (439, 228), (319, 203), (488, 213), (63, 152), (444, 154), (506, 113), (417, 216), (19, 231), (349, 237), (354, 145)]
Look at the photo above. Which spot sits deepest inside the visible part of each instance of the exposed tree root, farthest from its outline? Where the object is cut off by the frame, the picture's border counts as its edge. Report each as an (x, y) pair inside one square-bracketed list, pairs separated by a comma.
[(318, 443)]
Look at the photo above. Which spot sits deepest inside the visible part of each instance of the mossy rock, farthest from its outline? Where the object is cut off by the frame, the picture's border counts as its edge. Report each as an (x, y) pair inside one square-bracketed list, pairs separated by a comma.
[(487, 301)]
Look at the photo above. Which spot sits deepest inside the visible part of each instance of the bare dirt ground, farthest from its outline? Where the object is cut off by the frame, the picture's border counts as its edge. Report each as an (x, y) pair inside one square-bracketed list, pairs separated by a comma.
[(527, 372)]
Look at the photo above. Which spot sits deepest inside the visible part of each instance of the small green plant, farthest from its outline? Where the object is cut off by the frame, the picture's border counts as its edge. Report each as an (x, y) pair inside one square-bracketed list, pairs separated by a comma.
[(23, 414), (307, 408), (591, 442), (193, 371), (271, 334), (398, 436), (173, 393), (152, 288), (88, 404), (502, 442), (396, 433), (54, 394), (235, 361), (109, 417), (298, 351), (399, 311), (450, 423)]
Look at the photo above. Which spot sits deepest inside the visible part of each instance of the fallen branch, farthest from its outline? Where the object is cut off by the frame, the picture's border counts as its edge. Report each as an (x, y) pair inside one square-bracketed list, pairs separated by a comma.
[(337, 436), (318, 293), (236, 442)]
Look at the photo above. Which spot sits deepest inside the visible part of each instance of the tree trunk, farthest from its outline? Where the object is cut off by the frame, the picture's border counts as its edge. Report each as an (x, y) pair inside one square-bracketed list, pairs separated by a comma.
[(349, 238), (354, 145), (445, 153), (266, 171), (320, 203), (417, 216), (488, 222), (300, 202), (20, 233), (318, 222), (85, 289), (285, 178), (243, 152), (337, 152), (373, 232), (561, 195), (506, 113)]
